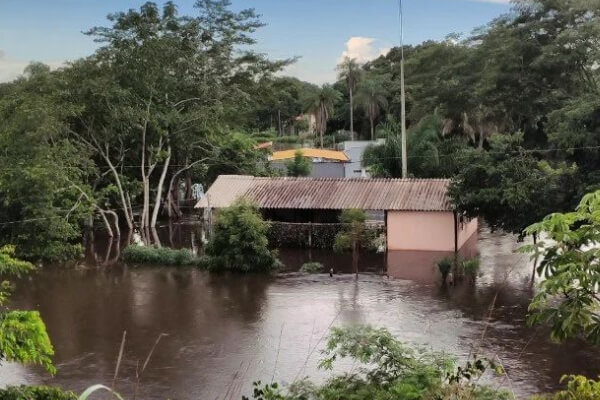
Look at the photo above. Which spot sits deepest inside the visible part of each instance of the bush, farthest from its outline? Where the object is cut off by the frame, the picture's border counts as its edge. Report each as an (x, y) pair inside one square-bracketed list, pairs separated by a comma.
[(239, 240), (35, 393), (161, 256), (470, 267), (445, 266), (299, 166), (312, 268), (388, 369)]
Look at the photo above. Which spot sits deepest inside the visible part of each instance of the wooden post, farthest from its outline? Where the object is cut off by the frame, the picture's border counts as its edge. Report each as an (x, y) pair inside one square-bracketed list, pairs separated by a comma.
[(455, 233), (455, 243)]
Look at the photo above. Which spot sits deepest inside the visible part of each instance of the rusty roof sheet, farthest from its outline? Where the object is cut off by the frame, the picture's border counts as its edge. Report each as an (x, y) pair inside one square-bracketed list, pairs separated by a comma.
[(330, 193)]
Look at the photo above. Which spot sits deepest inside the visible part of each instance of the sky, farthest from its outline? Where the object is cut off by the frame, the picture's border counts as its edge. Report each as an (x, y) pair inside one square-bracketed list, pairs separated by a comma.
[(320, 32)]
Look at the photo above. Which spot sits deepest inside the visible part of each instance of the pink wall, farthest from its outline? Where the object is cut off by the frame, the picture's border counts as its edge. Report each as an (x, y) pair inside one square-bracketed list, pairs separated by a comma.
[(420, 230), (421, 266), (466, 229)]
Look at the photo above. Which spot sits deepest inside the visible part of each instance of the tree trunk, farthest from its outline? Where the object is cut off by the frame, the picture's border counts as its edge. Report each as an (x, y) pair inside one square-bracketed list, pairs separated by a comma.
[(321, 136), (145, 219), (372, 128), (481, 139), (279, 122), (126, 206), (351, 114), (115, 221), (106, 223), (159, 189)]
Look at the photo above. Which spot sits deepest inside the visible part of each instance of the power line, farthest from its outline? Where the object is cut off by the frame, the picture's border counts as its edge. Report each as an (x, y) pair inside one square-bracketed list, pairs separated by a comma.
[(527, 151)]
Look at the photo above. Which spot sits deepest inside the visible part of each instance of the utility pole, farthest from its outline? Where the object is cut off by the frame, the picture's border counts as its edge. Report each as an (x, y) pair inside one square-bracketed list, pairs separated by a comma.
[(402, 95)]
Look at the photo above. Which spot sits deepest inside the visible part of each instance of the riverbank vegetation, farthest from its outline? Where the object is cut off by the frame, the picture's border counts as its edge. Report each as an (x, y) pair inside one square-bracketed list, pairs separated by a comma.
[(161, 256), (385, 368)]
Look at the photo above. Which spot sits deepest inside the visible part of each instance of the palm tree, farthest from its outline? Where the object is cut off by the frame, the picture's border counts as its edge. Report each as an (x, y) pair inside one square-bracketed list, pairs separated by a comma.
[(350, 72), (320, 104), (371, 96)]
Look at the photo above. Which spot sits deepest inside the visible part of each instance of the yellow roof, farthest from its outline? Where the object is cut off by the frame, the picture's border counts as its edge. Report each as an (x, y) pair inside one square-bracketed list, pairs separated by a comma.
[(312, 153)]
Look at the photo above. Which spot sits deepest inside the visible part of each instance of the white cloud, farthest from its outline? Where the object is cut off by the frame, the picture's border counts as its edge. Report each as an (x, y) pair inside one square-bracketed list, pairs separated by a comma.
[(11, 69), (363, 49)]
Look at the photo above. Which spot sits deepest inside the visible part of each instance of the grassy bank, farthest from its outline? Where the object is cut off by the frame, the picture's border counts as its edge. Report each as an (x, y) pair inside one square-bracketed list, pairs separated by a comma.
[(162, 256)]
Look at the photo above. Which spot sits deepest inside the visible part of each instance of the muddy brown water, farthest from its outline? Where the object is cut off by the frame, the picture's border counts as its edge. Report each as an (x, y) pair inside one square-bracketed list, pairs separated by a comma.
[(225, 331)]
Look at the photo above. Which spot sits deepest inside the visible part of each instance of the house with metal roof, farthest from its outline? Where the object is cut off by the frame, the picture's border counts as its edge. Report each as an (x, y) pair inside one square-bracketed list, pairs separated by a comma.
[(325, 163), (418, 213)]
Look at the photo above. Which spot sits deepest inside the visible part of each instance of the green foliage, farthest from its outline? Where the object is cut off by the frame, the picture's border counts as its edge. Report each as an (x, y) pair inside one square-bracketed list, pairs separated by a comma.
[(161, 256), (312, 268), (431, 155), (23, 336), (470, 267), (35, 393), (239, 240), (371, 97), (23, 339), (508, 187), (578, 387), (299, 166), (235, 155), (353, 229), (37, 168), (386, 369), (567, 298), (321, 104), (445, 266)]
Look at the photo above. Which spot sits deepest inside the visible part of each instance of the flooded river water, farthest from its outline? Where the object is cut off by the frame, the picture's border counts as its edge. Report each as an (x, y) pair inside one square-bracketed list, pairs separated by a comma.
[(224, 331)]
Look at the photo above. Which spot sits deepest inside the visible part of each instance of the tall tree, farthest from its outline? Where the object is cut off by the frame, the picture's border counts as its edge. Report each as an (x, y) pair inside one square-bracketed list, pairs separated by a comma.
[(175, 78), (321, 103), (350, 72), (371, 96)]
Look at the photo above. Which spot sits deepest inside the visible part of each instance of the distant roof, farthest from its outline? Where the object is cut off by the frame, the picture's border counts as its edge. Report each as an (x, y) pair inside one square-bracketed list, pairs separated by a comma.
[(330, 193), (264, 145), (312, 153)]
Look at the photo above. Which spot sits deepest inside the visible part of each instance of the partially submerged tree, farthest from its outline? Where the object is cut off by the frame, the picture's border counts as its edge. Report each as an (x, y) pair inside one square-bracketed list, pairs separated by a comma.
[(239, 240), (351, 234), (299, 166)]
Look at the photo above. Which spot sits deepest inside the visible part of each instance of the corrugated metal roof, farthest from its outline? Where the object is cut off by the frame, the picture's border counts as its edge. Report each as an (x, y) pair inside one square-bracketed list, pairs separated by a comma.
[(312, 153), (330, 193)]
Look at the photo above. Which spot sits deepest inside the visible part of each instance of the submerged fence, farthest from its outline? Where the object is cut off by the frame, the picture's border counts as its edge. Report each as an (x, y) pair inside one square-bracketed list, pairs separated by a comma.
[(314, 235)]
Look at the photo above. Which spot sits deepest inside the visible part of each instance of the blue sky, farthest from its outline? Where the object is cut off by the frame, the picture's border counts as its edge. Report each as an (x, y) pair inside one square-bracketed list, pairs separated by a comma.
[(318, 31)]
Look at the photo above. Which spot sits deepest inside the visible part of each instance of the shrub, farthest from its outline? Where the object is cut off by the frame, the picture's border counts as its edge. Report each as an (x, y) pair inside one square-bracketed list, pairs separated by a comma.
[(160, 256), (388, 369), (312, 268), (239, 240), (470, 267), (35, 393), (299, 166), (445, 266)]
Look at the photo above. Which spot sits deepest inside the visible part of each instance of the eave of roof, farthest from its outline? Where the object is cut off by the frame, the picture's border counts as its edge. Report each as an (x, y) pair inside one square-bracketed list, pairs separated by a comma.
[(330, 193)]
